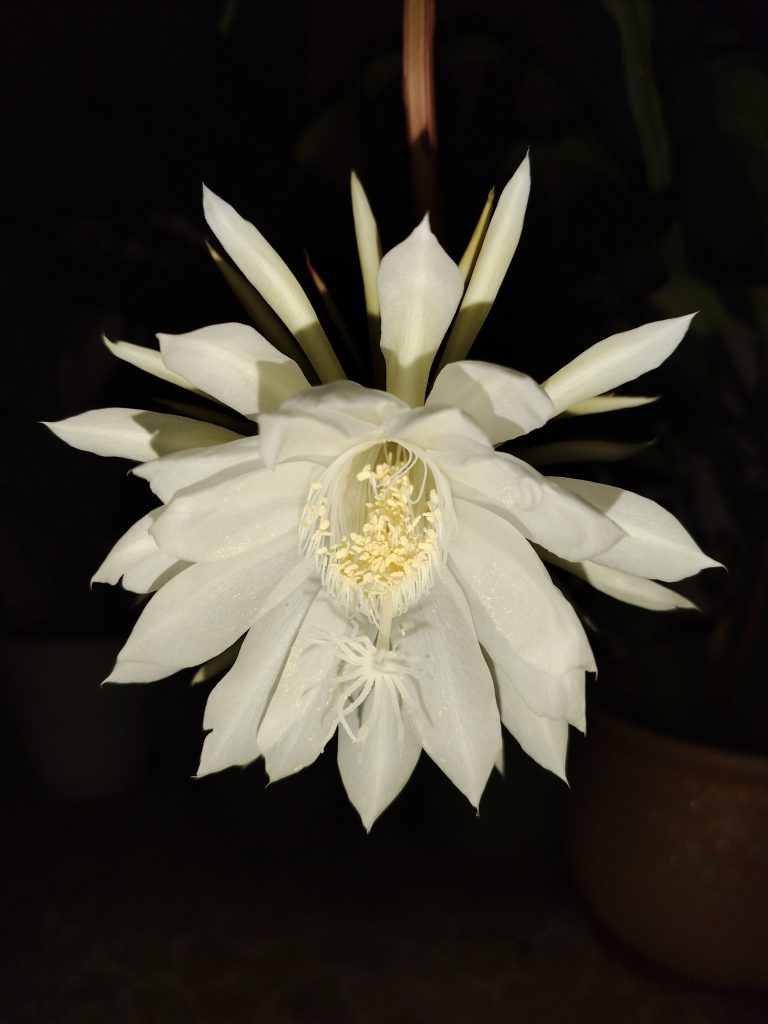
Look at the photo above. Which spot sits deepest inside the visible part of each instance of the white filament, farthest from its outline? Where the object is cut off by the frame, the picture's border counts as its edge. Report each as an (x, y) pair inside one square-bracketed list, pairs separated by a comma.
[(374, 528), (368, 670)]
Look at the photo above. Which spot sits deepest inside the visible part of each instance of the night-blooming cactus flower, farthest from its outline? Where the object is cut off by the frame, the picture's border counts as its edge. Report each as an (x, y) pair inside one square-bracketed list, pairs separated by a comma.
[(368, 563)]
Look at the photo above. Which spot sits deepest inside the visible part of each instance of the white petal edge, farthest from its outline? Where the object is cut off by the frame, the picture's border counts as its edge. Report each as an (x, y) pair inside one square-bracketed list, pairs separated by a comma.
[(173, 473), (559, 697), (544, 739), (147, 359), (545, 513), (420, 288), (136, 434), (301, 718), (349, 399), (368, 245), (614, 361), (237, 703), (439, 429), (609, 403), (374, 769), (230, 518), (516, 608), (505, 403), (235, 365), (469, 258), (126, 671), (492, 263), (138, 560), (461, 730), (217, 665), (655, 544), (271, 277), (207, 607), (319, 435), (622, 586)]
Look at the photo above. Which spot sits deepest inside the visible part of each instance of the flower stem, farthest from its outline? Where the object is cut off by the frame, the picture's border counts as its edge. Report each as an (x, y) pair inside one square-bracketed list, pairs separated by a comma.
[(420, 109)]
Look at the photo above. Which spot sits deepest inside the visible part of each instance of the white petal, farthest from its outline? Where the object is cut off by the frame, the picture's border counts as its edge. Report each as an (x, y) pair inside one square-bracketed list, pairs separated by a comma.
[(301, 716), (348, 398), (207, 607), (516, 608), (558, 697), (614, 361), (492, 264), (655, 544), (368, 246), (217, 665), (147, 359), (312, 437), (469, 258), (438, 430), (420, 288), (226, 519), (173, 473), (609, 403), (543, 512), (544, 739), (504, 402), (271, 277), (235, 365), (236, 705), (138, 560), (268, 325), (461, 732), (138, 672), (630, 589), (375, 768), (135, 434)]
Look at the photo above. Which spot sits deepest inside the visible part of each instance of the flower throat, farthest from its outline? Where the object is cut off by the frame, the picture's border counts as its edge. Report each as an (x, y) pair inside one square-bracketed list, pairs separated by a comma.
[(375, 533)]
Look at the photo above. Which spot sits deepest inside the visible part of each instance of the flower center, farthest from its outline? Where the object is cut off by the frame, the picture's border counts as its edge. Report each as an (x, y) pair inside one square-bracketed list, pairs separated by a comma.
[(373, 524)]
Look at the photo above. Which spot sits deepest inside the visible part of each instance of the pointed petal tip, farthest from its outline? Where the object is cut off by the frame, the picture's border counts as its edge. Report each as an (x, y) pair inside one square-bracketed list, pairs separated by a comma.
[(712, 563), (523, 170), (368, 821), (210, 198)]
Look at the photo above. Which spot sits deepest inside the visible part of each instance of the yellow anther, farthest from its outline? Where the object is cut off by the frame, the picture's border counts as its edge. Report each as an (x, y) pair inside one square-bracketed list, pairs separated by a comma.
[(388, 559)]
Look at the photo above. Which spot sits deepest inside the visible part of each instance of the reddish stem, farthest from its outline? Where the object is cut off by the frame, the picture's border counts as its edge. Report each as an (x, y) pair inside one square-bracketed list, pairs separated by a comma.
[(420, 110)]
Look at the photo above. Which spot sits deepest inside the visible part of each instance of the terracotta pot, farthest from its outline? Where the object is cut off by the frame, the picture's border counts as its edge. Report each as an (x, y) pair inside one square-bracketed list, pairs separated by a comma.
[(669, 843)]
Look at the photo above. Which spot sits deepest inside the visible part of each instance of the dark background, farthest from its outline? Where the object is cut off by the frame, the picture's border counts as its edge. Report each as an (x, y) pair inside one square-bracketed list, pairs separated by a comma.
[(139, 895)]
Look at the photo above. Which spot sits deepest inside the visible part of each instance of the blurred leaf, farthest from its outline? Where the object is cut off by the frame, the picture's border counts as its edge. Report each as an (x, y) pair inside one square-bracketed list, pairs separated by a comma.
[(582, 152), (635, 23), (740, 100), (687, 293), (470, 59), (228, 11)]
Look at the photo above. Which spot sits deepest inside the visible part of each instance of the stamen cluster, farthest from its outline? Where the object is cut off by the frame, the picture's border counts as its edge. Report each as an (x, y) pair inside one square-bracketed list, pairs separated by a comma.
[(387, 563)]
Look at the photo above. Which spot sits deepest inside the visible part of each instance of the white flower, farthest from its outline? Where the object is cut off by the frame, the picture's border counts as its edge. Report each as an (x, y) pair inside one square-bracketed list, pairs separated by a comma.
[(371, 551)]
